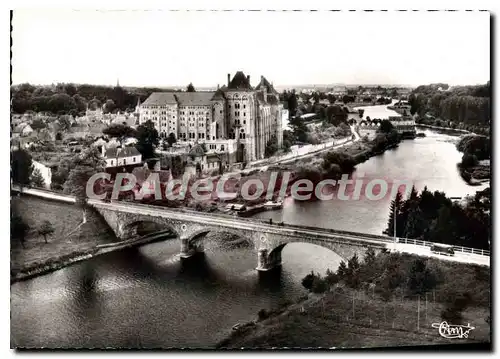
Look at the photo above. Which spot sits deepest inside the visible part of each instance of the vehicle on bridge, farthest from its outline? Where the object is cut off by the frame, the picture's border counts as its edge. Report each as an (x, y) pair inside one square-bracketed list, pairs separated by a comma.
[(444, 249)]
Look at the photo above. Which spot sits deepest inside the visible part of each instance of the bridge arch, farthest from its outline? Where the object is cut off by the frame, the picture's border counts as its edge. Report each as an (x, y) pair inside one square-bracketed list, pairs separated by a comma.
[(271, 257), (199, 235), (276, 251), (146, 226)]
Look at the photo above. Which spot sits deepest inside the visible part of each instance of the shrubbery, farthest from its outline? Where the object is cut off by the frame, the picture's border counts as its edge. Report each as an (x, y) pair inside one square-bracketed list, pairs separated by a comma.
[(390, 273)]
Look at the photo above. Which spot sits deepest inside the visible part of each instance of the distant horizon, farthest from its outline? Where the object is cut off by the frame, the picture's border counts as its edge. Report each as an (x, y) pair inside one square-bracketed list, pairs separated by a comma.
[(276, 86)]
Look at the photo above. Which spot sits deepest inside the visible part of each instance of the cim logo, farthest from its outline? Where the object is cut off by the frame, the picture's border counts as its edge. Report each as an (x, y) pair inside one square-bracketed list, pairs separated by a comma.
[(453, 331)]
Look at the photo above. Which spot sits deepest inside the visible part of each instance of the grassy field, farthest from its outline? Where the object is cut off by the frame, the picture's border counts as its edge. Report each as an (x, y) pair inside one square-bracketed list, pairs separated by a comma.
[(353, 319), (64, 241), (384, 310)]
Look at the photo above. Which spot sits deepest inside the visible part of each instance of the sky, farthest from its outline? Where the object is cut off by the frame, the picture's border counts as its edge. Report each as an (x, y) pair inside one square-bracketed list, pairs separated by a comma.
[(174, 48)]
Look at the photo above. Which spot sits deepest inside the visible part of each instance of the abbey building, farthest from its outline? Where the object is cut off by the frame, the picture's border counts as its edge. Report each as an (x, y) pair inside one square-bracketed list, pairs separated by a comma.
[(237, 118)]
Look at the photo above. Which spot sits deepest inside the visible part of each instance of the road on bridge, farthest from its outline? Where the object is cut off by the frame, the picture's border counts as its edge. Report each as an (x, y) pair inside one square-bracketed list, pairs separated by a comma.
[(230, 222)]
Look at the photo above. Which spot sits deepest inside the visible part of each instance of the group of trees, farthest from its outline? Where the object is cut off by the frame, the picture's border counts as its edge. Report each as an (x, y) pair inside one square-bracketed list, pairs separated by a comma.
[(467, 107), (74, 99), (475, 148), (393, 276), (333, 165), (434, 217), (271, 147), (386, 137), (19, 228), (146, 134), (22, 171), (414, 278)]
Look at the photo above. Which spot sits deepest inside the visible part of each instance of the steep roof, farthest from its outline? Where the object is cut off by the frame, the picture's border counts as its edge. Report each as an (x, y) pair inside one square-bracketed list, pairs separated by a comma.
[(194, 98), (160, 98), (264, 83), (271, 99), (117, 152), (240, 82), (219, 95), (197, 151)]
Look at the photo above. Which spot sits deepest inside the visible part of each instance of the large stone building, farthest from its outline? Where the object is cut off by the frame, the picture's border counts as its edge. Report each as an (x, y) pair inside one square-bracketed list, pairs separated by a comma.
[(236, 118)]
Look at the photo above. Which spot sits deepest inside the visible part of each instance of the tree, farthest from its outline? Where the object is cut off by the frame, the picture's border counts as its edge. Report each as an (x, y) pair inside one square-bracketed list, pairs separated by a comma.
[(121, 132), (171, 139), (308, 280), (331, 277), (454, 308), (64, 123), (319, 285), (109, 106), (45, 229), (469, 160), (416, 225), (21, 167), (147, 139), (386, 126), (164, 145), (353, 266), (292, 103), (18, 227), (38, 124), (288, 140), (421, 279), (369, 256), (443, 228), (342, 270), (271, 147), (85, 166), (190, 88), (396, 205), (37, 178)]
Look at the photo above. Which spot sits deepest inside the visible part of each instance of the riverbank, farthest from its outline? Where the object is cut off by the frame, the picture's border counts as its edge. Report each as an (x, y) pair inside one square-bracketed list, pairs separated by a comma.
[(327, 321), (385, 312), (59, 262), (72, 241), (444, 128)]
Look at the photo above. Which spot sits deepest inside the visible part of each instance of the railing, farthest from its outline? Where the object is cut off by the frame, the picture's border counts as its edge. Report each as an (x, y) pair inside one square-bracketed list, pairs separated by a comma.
[(417, 242)]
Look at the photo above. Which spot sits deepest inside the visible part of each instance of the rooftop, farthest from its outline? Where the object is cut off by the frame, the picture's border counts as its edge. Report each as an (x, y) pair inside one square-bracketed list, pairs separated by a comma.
[(122, 152), (160, 98), (240, 82), (194, 98)]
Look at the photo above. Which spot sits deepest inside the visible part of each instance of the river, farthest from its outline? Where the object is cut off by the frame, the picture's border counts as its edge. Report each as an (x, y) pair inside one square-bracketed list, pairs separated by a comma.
[(147, 297)]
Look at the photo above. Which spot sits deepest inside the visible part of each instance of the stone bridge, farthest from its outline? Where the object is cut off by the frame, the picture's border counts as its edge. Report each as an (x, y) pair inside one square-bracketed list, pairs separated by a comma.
[(267, 239)]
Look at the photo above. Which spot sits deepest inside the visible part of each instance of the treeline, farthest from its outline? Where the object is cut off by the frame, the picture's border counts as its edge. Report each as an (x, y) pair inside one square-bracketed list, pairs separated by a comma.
[(434, 217), (475, 148), (62, 99), (324, 111), (465, 107)]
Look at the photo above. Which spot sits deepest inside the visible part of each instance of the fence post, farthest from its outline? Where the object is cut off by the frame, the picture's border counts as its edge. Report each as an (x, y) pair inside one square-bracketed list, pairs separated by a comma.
[(353, 314), (426, 307)]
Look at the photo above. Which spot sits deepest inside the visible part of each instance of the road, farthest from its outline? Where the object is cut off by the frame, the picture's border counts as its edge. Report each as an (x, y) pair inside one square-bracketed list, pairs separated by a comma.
[(304, 152), (425, 251)]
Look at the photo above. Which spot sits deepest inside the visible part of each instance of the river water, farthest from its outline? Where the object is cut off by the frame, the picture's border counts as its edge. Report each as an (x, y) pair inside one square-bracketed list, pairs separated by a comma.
[(148, 297)]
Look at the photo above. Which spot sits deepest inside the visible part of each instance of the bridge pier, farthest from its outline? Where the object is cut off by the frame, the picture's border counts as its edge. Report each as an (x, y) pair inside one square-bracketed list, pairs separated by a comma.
[(268, 261), (188, 249)]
